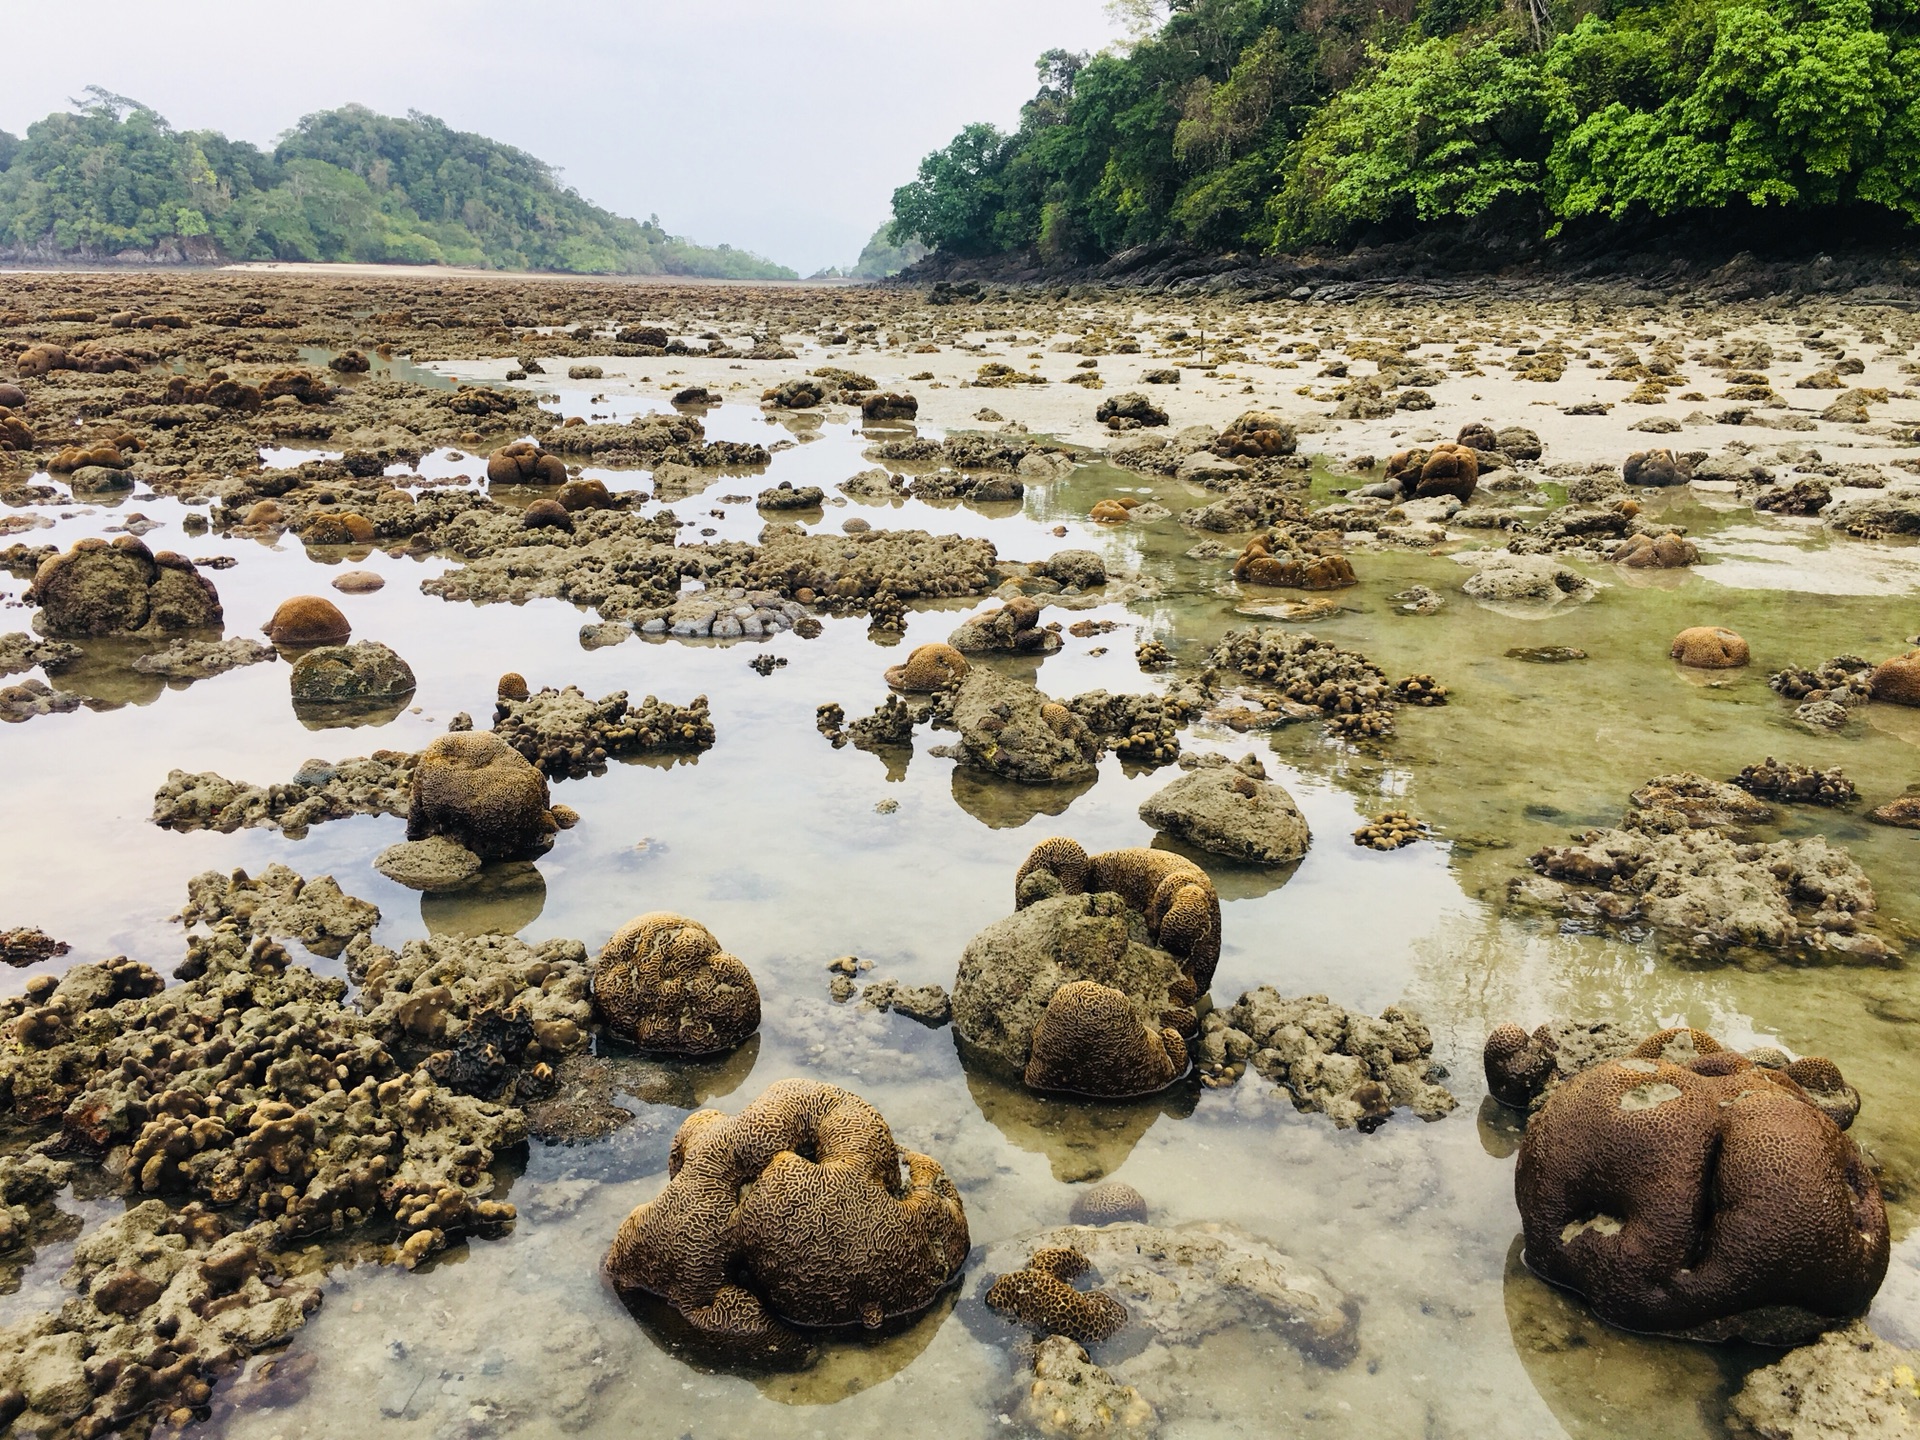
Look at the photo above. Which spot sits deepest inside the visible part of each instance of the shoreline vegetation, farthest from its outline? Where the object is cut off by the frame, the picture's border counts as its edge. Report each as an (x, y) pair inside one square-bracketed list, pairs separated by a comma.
[(1465, 133), (112, 183)]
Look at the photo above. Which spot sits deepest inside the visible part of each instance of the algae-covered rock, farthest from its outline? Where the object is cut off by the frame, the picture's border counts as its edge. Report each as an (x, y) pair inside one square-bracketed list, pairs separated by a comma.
[(1011, 970), (97, 588), (1013, 731), (1231, 810), (349, 674), (1848, 1384), (436, 863)]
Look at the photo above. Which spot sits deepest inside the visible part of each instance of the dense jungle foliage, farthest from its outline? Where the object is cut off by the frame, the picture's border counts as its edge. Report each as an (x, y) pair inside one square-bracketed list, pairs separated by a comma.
[(1272, 124), (344, 184)]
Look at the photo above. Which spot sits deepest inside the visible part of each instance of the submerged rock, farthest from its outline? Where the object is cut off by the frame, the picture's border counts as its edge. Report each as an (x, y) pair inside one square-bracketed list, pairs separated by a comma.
[(1231, 810), (200, 659), (433, 864), (1849, 1383), (1501, 576)]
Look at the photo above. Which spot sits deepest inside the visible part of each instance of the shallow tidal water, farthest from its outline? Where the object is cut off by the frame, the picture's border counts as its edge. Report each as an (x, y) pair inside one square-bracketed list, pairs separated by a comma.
[(774, 841)]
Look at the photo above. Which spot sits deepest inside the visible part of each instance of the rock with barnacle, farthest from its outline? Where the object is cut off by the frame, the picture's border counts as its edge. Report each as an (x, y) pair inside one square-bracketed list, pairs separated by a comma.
[(350, 674), (928, 668), (476, 789), (1042, 1297), (1231, 810), (1090, 1042), (796, 1212), (1014, 626), (1849, 1383), (1797, 784), (1354, 1068), (663, 983), (1389, 830), (567, 735), (1071, 1398), (1702, 1196), (1176, 897), (101, 588)]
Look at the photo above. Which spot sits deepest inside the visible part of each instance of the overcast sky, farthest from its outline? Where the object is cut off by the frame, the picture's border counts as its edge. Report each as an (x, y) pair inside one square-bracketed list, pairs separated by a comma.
[(779, 125)]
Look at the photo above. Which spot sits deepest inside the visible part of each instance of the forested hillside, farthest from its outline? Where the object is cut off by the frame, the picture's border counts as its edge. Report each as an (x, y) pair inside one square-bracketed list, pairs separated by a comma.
[(113, 177), (1275, 124)]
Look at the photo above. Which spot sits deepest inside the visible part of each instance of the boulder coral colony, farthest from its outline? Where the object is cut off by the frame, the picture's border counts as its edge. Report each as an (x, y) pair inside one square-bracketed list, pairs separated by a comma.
[(316, 1085)]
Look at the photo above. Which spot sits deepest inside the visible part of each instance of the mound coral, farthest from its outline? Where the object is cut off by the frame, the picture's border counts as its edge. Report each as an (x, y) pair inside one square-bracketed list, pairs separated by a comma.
[(546, 515), (1657, 468), (476, 789), (1113, 511), (15, 434), (889, 405), (928, 668), (794, 1212), (1256, 435), (1655, 552), (1042, 1298), (1292, 568), (342, 529), (1175, 895), (1705, 1196), (98, 588), (1707, 647), (525, 463), (663, 983), (1897, 681), (1090, 1042), (308, 620), (1449, 470)]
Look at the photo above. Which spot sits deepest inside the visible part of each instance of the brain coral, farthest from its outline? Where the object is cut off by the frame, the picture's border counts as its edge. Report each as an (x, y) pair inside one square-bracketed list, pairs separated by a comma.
[(1042, 1298), (1108, 1203), (308, 620), (1449, 470), (1898, 680), (1295, 570), (1179, 901), (1089, 1041), (1710, 1198), (1706, 647), (929, 667), (664, 983), (475, 788), (525, 463), (794, 1212)]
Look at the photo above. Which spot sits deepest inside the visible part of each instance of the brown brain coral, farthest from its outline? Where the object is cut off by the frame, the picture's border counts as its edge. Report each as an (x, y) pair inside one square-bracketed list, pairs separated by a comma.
[(1711, 1199), (1179, 901), (1090, 1042), (475, 788), (664, 983), (1898, 680), (1042, 1298), (1449, 470), (1108, 1203), (1650, 552), (794, 1212), (929, 667), (1295, 570), (308, 620), (1707, 647), (525, 463), (1256, 435)]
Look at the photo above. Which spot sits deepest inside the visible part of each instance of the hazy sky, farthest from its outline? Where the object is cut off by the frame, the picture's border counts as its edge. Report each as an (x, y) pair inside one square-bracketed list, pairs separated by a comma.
[(779, 125)]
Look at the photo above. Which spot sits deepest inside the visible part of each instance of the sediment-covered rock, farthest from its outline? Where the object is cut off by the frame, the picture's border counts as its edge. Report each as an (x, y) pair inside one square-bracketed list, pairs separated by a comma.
[(1231, 810)]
